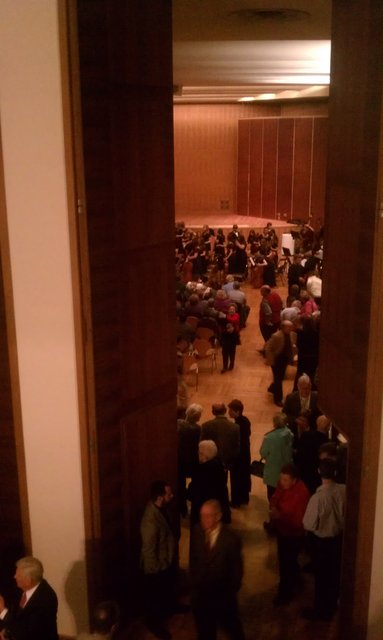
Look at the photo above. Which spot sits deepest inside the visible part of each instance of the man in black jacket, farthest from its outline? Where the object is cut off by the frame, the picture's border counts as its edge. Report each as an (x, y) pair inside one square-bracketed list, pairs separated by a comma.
[(34, 616), (216, 571)]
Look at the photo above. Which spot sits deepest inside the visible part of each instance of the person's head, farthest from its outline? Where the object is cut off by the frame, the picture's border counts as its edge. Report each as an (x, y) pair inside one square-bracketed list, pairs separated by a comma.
[(232, 308), (193, 299), (161, 493), (323, 424), (303, 421), (193, 412), (207, 450), (106, 617), (304, 385), (286, 326), (328, 451), (210, 515), (221, 294), (236, 285), (288, 476), (294, 290), (296, 304), (279, 421), (235, 408), (181, 413), (29, 573), (327, 469), (229, 278), (218, 408), (265, 290), (297, 258)]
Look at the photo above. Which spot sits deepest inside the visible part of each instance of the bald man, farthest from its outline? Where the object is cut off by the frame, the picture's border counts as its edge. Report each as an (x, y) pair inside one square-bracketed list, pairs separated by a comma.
[(216, 570), (279, 353)]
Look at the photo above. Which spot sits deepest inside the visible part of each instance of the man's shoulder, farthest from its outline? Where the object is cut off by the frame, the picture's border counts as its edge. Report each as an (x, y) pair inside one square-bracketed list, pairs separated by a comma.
[(292, 397), (151, 512), (229, 537), (276, 337), (209, 423), (215, 422), (44, 590)]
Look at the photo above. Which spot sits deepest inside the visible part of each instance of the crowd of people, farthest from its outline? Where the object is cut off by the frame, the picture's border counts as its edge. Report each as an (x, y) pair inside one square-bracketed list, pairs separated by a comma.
[(209, 456), (304, 473), (303, 458), (212, 254)]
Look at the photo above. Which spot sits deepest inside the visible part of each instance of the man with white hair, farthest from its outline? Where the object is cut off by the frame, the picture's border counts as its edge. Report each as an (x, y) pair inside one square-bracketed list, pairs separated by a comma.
[(35, 615), (304, 399), (188, 432)]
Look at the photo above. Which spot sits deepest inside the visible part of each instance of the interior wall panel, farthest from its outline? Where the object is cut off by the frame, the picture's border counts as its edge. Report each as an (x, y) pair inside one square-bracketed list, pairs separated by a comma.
[(319, 158), (285, 167), (243, 167), (255, 167), (351, 370), (302, 169), (206, 151), (269, 169), (289, 175), (127, 128)]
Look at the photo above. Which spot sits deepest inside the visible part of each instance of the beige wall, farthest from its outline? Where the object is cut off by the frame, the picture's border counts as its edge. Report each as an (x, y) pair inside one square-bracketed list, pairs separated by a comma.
[(205, 150), (32, 131)]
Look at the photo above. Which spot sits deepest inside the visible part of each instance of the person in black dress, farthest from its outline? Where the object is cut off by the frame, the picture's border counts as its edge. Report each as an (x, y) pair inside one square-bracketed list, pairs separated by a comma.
[(240, 478), (208, 482)]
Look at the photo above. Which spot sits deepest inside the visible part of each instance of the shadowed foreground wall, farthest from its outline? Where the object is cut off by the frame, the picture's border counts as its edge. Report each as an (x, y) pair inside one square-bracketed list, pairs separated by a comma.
[(351, 359), (126, 117)]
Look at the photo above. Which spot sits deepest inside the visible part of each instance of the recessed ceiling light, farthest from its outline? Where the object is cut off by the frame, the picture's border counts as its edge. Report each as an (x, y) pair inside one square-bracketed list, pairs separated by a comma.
[(247, 99), (279, 14), (266, 96)]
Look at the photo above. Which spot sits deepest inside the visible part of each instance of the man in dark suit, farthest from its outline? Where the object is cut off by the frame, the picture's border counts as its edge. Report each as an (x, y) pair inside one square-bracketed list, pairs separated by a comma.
[(302, 400), (35, 614), (216, 570), (224, 433)]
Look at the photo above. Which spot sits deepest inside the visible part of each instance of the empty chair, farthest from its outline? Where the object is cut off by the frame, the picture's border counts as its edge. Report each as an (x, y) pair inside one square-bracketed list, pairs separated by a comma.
[(190, 366), (204, 351), (206, 334)]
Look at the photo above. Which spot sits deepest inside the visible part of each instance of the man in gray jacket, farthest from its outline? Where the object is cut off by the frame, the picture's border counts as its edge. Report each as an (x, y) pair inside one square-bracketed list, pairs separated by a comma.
[(158, 559)]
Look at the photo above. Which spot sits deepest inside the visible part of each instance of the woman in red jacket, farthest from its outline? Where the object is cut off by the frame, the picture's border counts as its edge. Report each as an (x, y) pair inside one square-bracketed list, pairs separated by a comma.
[(287, 508)]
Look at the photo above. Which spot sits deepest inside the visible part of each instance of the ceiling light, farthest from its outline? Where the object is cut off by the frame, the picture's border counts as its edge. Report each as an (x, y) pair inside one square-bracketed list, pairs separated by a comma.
[(247, 99), (266, 96), (277, 14)]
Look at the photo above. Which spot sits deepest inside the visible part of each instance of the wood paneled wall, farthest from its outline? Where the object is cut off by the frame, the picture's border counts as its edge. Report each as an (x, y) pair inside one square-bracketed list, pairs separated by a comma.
[(126, 113), (351, 357), (206, 147), (281, 167)]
